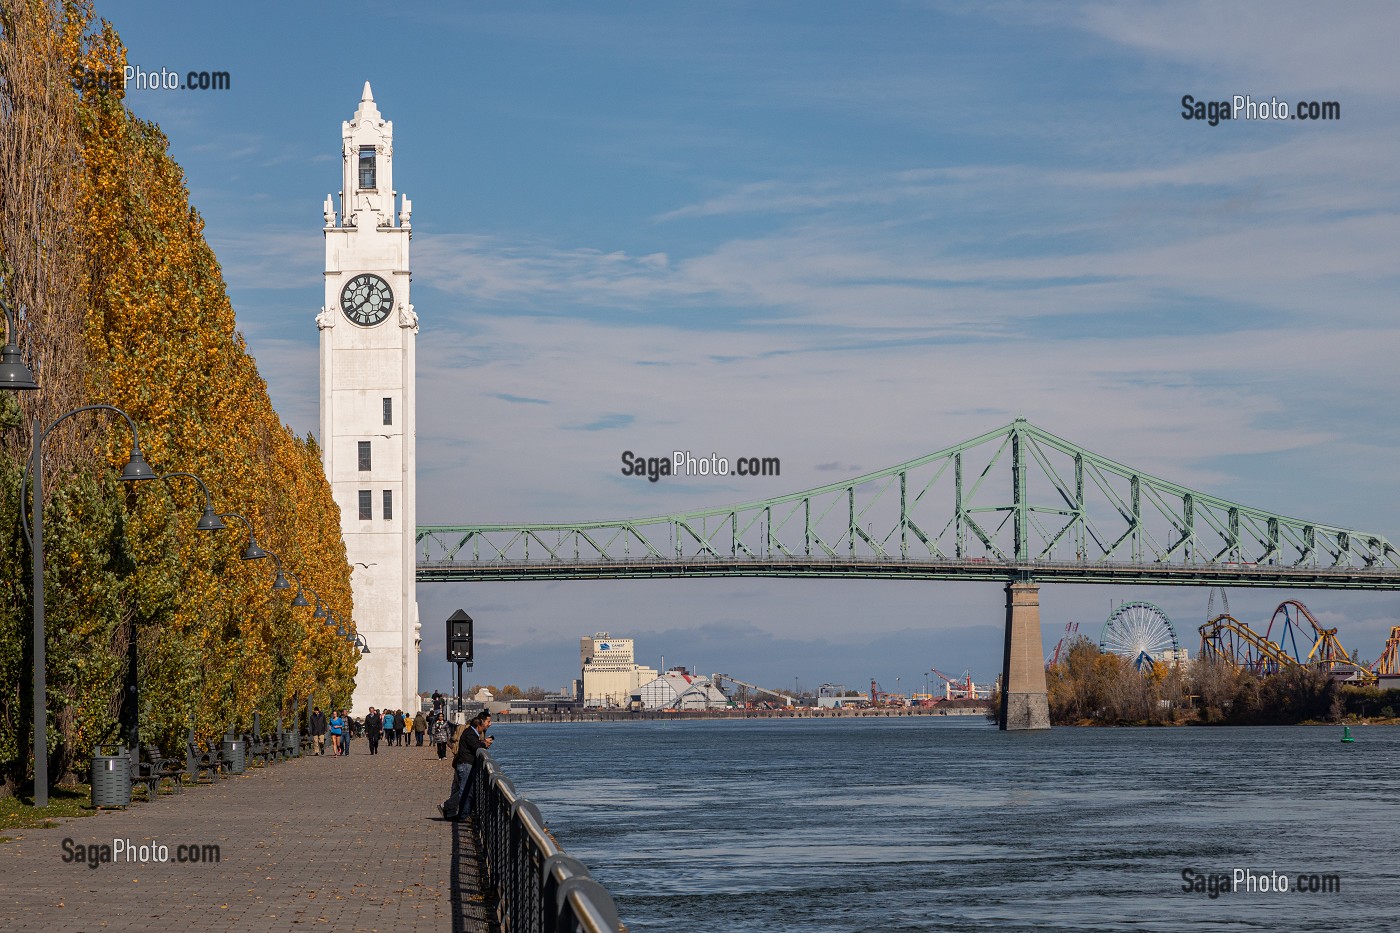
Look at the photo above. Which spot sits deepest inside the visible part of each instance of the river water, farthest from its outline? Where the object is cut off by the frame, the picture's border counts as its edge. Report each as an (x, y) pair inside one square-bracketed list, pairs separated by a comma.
[(930, 823)]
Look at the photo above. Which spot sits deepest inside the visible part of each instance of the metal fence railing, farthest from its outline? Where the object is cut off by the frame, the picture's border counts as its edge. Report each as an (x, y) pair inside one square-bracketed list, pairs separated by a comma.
[(539, 888)]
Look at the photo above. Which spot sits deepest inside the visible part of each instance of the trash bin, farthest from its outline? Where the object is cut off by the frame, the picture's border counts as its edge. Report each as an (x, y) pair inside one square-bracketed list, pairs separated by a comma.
[(111, 777), (234, 752), (292, 743)]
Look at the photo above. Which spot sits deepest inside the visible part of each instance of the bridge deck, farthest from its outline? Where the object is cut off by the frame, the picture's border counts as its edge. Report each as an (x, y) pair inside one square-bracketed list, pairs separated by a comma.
[(1203, 574), (346, 844)]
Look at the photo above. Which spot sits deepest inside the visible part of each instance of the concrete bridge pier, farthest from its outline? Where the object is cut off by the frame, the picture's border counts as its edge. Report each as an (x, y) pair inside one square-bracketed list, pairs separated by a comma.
[(1024, 703)]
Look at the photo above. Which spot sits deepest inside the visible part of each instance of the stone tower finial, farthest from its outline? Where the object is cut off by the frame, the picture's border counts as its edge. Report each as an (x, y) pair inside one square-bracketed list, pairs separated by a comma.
[(367, 110)]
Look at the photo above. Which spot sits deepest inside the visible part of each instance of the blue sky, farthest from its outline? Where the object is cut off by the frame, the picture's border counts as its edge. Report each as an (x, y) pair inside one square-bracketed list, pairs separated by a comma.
[(840, 234)]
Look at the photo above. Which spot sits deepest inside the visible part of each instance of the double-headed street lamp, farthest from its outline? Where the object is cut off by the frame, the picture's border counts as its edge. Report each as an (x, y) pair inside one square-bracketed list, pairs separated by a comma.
[(136, 469), (131, 703)]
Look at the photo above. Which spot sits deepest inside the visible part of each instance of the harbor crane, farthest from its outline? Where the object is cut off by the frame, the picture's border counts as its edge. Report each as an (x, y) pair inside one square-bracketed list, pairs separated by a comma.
[(963, 689), (1071, 630), (790, 701)]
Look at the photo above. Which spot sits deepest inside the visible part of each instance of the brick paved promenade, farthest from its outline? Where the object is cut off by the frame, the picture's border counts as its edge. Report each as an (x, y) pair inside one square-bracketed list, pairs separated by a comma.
[(325, 843)]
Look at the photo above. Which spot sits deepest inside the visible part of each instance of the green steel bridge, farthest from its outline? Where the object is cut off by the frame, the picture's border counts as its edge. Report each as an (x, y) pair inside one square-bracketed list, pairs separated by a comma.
[(1015, 504)]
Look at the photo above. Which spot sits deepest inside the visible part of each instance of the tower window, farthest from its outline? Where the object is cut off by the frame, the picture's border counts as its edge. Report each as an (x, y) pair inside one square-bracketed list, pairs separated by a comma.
[(388, 504), (388, 411), (367, 168), (366, 505), (364, 455)]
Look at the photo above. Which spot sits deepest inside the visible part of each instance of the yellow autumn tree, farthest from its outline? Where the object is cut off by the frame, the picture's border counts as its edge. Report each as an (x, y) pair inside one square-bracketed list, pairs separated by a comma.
[(156, 336)]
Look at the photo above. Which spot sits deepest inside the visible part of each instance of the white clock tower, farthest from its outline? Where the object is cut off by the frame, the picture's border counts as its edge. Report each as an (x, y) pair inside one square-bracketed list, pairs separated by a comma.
[(368, 332)]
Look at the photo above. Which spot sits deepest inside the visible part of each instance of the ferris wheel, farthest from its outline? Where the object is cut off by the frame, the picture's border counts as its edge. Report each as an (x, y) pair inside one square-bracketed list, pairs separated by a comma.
[(1140, 632)]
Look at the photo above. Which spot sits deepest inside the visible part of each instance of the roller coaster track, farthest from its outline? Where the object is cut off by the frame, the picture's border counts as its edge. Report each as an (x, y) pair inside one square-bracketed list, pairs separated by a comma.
[(1389, 661), (1231, 640), (1327, 651)]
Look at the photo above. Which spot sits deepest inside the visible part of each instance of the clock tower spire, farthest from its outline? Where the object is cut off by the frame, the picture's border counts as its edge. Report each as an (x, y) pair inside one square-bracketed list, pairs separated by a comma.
[(368, 335)]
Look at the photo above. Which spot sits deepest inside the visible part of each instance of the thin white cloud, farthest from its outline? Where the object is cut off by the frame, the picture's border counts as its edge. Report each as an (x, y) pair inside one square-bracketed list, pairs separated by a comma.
[(1267, 47)]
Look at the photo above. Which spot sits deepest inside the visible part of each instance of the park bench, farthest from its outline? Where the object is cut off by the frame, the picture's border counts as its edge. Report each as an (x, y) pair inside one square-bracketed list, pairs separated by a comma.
[(197, 762), (171, 768), (260, 748), (274, 747), (155, 769), (252, 749)]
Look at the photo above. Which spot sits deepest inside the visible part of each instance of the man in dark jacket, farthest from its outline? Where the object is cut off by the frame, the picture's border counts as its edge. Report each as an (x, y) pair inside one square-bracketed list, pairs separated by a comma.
[(458, 804), (374, 725), (318, 729)]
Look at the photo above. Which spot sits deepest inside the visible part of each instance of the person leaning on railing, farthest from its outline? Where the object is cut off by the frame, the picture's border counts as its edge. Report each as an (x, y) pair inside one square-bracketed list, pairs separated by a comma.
[(464, 770)]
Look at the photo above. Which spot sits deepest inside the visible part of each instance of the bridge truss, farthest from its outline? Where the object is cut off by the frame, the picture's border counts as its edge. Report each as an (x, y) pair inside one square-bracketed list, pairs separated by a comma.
[(1015, 503)]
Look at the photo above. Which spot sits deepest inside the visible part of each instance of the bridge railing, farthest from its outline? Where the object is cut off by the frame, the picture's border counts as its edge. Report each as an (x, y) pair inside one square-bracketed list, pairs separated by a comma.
[(539, 888)]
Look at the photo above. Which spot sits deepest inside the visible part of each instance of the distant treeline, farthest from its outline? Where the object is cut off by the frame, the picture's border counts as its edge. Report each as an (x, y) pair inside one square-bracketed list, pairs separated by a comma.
[(1090, 687)]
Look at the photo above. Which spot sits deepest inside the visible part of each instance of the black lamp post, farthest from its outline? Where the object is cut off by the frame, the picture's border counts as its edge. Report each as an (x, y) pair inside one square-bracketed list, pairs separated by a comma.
[(210, 520), (251, 551), (279, 582), (300, 599), (13, 373), (131, 701), (33, 523)]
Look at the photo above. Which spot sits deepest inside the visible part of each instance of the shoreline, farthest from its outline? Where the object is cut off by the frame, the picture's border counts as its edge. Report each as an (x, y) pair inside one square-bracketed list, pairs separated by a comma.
[(503, 718)]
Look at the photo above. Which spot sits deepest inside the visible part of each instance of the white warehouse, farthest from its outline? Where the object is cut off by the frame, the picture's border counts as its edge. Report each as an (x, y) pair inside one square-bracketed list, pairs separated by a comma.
[(680, 689)]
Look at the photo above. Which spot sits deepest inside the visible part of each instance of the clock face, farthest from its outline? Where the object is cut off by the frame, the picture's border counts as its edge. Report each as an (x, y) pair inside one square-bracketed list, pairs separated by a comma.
[(366, 300)]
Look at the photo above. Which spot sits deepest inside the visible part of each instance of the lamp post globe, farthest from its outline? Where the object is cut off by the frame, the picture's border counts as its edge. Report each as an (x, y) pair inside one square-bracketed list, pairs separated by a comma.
[(13, 373)]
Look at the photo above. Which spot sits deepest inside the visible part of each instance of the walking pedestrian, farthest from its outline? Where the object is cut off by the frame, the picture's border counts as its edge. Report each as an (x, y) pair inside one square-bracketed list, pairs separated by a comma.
[(457, 806), (389, 726), (337, 728), (318, 729), (420, 728), (374, 727), (440, 736), (398, 726), (349, 732)]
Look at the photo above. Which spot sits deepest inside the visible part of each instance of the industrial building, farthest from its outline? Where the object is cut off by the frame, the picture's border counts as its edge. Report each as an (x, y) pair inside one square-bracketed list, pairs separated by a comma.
[(610, 672), (680, 689)]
